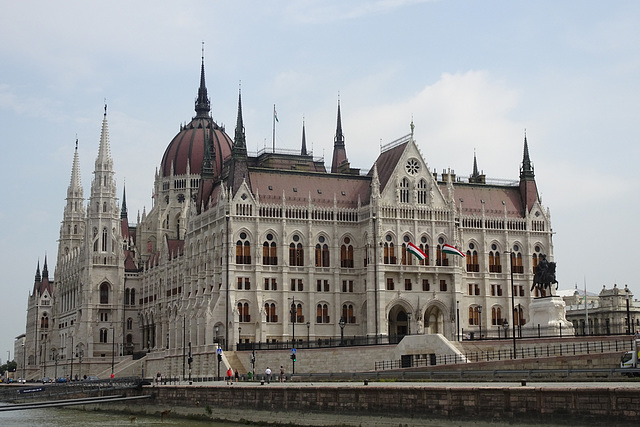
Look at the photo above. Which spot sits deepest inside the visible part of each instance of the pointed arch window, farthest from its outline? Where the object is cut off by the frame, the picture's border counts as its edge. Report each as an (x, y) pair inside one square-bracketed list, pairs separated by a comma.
[(516, 260), (243, 249), (129, 323), (535, 258), (95, 239), (104, 239), (296, 252), (422, 192), (496, 316), (243, 312), (44, 321), (406, 257), (322, 253), (104, 335), (404, 190), (104, 293), (474, 315), (441, 257), (494, 260), (295, 313), (424, 247), (389, 255), (270, 311), (322, 313), (104, 206), (269, 251), (472, 259), (348, 313), (346, 253)]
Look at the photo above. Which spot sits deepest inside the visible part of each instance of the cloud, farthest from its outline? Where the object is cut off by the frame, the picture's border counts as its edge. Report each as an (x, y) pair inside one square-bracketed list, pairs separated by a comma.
[(322, 12)]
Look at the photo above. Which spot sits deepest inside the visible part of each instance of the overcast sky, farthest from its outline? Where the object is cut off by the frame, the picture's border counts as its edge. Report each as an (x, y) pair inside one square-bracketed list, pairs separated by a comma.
[(473, 75)]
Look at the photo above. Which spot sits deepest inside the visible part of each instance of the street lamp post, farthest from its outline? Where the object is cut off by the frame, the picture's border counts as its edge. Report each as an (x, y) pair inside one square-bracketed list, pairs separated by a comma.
[(71, 377), (23, 359), (342, 323), (513, 305), (308, 326), (113, 351), (293, 323), (626, 289), (239, 340), (480, 319), (458, 318), (55, 373)]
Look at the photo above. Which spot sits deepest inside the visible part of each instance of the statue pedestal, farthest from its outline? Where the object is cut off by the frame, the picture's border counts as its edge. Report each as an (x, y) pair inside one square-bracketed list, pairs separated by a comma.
[(550, 314)]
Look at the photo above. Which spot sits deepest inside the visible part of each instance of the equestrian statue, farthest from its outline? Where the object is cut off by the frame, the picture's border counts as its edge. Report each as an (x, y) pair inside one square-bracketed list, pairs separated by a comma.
[(545, 276)]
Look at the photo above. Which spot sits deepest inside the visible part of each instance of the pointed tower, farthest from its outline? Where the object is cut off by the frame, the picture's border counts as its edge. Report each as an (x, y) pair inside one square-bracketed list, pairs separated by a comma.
[(476, 177), (303, 150), (203, 104), (73, 220), (339, 164), (528, 187), (238, 169)]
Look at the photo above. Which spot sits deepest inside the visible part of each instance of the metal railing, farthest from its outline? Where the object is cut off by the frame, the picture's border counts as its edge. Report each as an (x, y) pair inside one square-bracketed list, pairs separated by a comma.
[(350, 341), (522, 352)]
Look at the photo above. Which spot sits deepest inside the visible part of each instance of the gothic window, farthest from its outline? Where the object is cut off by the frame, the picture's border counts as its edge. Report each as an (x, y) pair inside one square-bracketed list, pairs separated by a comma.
[(404, 190), (295, 313), (494, 260), (104, 239), (104, 293), (422, 192), (133, 297), (390, 284), (68, 229), (270, 284), (75, 229), (348, 314), (127, 295), (516, 260), (129, 323), (346, 253), (472, 259), (243, 311), (474, 315), (424, 247), (299, 283), (389, 255), (441, 257), (537, 256), (243, 249), (270, 310), (406, 258), (518, 316), (104, 206), (322, 253), (296, 252), (412, 166), (322, 313), (347, 286), (104, 334), (269, 251), (95, 239), (496, 316), (44, 321)]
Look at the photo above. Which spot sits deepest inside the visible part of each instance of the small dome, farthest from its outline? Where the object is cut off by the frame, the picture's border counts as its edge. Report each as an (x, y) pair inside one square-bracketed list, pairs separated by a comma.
[(188, 147)]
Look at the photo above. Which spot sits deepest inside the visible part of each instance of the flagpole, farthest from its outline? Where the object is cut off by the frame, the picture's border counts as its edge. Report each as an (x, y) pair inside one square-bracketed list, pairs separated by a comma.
[(273, 140), (586, 310)]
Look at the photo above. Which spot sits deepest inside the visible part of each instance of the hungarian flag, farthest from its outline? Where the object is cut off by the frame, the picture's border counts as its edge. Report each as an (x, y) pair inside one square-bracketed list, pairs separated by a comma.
[(416, 251), (448, 249), (275, 113)]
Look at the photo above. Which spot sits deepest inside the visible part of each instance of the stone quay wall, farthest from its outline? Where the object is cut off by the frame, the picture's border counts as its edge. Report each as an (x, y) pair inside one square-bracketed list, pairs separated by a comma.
[(515, 403)]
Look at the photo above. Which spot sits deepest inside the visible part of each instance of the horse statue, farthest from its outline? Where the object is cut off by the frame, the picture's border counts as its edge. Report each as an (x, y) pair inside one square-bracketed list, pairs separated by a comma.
[(545, 276)]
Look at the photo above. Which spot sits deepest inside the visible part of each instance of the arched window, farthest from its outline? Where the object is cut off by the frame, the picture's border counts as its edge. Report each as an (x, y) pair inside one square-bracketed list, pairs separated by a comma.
[(243, 310), (516, 260), (422, 192), (243, 249), (133, 297), (127, 296), (389, 251), (75, 229), (346, 253), (518, 316), (95, 239), (104, 206), (270, 311), (44, 321), (494, 260), (322, 313), (496, 316), (407, 258), (322, 253), (295, 313), (441, 257), (474, 315), (269, 251), (104, 335), (348, 314), (104, 293), (129, 323), (404, 190), (104, 239), (424, 247), (296, 252), (472, 259), (536, 257)]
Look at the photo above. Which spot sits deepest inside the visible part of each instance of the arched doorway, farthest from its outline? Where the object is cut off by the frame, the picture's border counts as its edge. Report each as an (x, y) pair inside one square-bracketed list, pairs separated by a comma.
[(434, 320), (398, 322)]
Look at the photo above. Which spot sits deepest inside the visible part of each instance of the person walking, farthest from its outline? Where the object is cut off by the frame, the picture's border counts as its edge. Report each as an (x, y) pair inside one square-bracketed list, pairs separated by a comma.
[(267, 372), (237, 375), (229, 376), (281, 373)]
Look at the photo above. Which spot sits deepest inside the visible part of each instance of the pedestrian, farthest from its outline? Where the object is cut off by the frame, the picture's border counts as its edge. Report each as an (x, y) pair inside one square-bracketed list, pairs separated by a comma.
[(267, 372), (281, 373), (237, 375), (229, 376)]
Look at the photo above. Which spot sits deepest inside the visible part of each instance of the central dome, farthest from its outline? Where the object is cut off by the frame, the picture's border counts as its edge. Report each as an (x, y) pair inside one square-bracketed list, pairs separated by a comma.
[(187, 149)]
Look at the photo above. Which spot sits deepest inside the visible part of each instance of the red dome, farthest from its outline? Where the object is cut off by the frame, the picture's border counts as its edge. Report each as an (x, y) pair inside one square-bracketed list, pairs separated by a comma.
[(188, 146)]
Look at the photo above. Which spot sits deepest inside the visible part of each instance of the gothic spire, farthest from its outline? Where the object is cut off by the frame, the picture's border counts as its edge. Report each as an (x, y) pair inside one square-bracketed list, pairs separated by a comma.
[(303, 150), (38, 277), (104, 161), (239, 140), (123, 212), (75, 183), (339, 150), (203, 104), (526, 172), (45, 269), (475, 165)]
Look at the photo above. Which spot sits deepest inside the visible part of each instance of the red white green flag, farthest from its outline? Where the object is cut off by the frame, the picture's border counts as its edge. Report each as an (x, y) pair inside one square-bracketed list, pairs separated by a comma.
[(448, 249), (413, 249)]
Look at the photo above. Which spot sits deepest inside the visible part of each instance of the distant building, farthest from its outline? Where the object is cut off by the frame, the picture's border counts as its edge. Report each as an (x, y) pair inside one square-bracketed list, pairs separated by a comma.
[(254, 247), (605, 313)]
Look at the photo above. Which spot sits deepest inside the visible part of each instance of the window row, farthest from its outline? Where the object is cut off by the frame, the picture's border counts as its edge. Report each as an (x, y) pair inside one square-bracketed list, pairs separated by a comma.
[(495, 263), (497, 319), (408, 285), (296, 314)]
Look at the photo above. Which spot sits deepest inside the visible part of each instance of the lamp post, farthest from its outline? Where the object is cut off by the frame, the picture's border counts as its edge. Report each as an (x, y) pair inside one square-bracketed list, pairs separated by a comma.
[(626, 290), (71, 377), (513, 304), (113, 351), (505, 325), (458, 318), (293, 323), (308, 326), (341, 323), (480, 319), (55, 373), (23, 359), (239, 340)]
